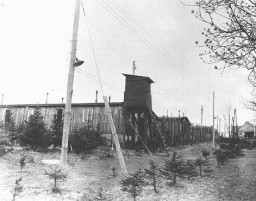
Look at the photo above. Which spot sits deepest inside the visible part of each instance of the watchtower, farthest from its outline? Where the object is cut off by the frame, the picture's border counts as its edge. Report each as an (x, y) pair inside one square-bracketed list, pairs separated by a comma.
[(137, 91), (137, 109)]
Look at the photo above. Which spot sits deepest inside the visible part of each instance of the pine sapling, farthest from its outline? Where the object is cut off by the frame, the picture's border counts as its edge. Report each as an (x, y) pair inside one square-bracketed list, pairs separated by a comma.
[(153, 174), (189, 170), (172, 168), (114, 171), (205, 153), (22, 162), (98, 195), (17, 189), (57, 174), (132, 184)]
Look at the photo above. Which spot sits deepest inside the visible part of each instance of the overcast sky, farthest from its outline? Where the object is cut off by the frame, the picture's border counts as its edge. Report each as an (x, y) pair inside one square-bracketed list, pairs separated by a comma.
[(35, 43)]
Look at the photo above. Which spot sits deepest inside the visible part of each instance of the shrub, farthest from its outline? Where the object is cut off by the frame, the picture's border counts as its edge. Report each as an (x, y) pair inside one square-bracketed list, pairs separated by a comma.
[(4, 144), (172, 168), (153, 174), (22, 162), (205, 153), (35, 134), (224, 146), (9, 126), (220, 157), (18, 188), (56, 173), (114, 171), (129, 144), (85, 139), (132, 184), (189, 170), (56, 131), (5, 141)]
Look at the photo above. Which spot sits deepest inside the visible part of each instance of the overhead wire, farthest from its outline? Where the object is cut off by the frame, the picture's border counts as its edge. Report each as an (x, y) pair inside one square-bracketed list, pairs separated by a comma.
[(94, 56), (123, 21), (113, 83), (140, 35), (105, 83), (139, 26)]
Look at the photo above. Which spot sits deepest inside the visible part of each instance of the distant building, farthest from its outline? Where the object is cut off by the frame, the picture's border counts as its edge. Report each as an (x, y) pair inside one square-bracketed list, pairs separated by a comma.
[(177, 130), (246, 131)]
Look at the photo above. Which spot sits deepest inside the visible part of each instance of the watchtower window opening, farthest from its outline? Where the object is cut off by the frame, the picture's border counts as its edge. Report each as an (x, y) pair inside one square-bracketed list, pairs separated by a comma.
[(8, 116), (59, 115)]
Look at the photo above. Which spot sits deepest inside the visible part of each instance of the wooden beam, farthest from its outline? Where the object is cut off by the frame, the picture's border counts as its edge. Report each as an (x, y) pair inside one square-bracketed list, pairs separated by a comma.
[(67, 114), (113, 130)]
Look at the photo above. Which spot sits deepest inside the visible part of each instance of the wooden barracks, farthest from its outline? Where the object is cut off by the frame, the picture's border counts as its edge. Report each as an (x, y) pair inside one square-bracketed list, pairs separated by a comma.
[(133, 118)]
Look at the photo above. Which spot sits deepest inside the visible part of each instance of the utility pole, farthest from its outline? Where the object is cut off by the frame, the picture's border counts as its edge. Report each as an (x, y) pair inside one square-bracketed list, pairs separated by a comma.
[(67, 114), (96, 100), (202, 109), (133, 67), (220, 125), (46, 101), (213, 133), (217, 124), (2, 101), (229, 133)]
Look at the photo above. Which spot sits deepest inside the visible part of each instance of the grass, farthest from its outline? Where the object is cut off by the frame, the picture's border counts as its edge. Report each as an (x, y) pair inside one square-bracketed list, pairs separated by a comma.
[(95, 172)]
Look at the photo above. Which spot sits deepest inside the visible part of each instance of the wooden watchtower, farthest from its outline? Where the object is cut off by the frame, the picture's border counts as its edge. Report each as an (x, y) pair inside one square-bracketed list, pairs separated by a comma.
[(137, 108)]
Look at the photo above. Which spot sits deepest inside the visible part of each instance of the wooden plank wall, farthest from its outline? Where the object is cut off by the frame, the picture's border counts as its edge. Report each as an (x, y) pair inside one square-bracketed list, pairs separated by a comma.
[(87, 115), (180, 132)]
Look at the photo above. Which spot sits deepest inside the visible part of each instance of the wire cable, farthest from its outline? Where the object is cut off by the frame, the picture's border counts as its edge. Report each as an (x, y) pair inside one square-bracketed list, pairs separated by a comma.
[(139, 26), (94, 56), (134, 30)]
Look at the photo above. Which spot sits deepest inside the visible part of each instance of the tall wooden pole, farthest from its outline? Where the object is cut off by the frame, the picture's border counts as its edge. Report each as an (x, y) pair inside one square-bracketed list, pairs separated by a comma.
[(219, 125), (213, 133), (114, 134), (133, 67), (46, 100), (229, 129), (2, 100), (202, 109), (67, 114)]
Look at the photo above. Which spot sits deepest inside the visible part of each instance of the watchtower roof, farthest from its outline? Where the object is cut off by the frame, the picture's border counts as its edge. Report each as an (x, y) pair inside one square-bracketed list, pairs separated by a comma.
[(138, 77)]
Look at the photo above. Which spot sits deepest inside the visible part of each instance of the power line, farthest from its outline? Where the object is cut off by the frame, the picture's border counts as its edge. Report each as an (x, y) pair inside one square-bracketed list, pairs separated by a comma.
[(140, 35), (134, 30), (95, 77), (138, 25), (94, 56)]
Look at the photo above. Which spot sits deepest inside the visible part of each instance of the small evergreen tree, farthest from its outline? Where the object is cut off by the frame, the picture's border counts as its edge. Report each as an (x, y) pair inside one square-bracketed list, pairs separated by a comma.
[(132, 184), (202, 164), (22, 162), (189, 169), (153, 174), (35, 133), (56, 173), (205, 153), (56, 131), (114, 171), (17, 189), (220, 157), (172, 168), (9, 126), (84, 139)]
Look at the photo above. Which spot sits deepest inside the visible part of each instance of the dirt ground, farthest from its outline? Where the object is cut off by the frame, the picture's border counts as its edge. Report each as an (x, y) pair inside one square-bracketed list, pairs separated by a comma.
[(233, 181)]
